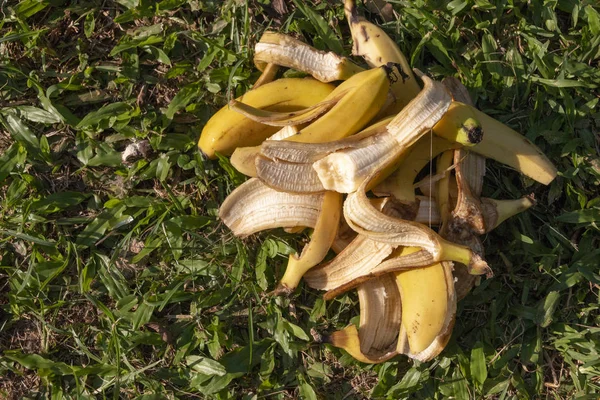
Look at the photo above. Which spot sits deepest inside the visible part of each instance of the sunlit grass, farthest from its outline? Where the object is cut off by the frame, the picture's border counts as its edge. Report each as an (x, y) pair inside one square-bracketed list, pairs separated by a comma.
[(118, 281)]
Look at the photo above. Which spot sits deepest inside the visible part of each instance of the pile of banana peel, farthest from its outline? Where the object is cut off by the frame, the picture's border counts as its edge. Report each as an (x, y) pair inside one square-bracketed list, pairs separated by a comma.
[(342, 159)]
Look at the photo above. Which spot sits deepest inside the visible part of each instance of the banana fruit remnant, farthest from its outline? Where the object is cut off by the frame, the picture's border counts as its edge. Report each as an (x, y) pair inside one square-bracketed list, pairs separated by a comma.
[(383, 171)]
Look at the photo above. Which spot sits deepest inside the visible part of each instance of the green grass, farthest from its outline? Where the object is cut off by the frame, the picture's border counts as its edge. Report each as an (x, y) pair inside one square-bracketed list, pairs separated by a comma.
[(118, 281)]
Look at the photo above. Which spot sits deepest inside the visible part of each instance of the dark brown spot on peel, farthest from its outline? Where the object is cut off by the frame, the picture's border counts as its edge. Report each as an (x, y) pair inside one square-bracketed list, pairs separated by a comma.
[(475, 134), (363, 30), (404, 76)]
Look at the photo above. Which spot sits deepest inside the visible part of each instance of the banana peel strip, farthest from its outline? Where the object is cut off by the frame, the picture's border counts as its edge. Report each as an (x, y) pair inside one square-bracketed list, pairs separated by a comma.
[(359, 257), (284, 50), (400, 183), (344, 236), (244, 158), (291, 118), (444, 165), (497, 211), (345, 170), (475, 165), (427, 212), (253, 207)]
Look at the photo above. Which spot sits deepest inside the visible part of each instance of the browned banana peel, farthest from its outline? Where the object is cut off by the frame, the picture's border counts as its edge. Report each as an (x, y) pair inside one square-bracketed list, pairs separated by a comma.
[(284, 50), (380, 316), (253, 207), (467, 216)]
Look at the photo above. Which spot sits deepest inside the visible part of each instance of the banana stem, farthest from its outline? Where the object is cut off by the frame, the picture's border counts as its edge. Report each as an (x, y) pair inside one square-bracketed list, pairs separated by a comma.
[(453, 252)]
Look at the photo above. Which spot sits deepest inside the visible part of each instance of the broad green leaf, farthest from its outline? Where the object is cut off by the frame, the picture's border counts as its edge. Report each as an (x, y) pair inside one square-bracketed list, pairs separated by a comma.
[(182, 99), (205, 365), (158, 54), (306, 390), (547, 309), (192, 222), (89, 25), (111, 277), (456, 6), (20, 132), (35, 114), (95, 230), (593, 19), (58, 201), (37, 362), (12, 157), (580, 216), (409, 381), (26, 237), (144, 31), (28, 8), (142, 315), (105, 112), (216, 384), (48, 270), (133, 43), (170, 4), (107, 157), (561, 83), (459, 385), (478, 364), (162, 168), (129, 3), (489, 47), (297, 331), (438, 49)]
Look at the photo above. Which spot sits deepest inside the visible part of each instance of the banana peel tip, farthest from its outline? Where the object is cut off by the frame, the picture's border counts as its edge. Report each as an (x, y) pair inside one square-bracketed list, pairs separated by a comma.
[(478, 266)]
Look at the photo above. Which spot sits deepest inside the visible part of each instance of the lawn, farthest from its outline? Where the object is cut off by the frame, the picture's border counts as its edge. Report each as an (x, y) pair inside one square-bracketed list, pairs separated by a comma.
[(117, 279)]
